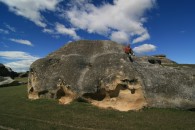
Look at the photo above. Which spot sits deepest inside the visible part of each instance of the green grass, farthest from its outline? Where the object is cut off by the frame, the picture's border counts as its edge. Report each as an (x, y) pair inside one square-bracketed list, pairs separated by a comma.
[(18, 112), (21, 79)]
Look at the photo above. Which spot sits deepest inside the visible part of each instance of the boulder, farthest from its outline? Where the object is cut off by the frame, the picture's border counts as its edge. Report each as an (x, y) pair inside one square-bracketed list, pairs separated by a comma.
[(7, 72), (7, 81), (156, 59), (99, 72), (164, 59)]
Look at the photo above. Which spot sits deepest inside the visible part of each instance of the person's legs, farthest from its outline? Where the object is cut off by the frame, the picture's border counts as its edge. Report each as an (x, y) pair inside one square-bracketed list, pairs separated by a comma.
[(130, 57)]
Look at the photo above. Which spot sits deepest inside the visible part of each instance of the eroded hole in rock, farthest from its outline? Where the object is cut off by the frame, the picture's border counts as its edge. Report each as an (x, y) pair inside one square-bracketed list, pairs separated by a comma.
[(127, 95), (52, 95), (32, 94), (115, 93), (60, 93), (99, 95), (65, 94), (31, 90), (83, 99), (43, 92), (127, 81), (132, 91), (89, 65), (191, 109), (133, 81), (154, 61)]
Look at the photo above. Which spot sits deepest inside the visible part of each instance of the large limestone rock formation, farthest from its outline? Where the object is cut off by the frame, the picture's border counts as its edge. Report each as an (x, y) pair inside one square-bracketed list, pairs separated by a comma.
[(99, 72)]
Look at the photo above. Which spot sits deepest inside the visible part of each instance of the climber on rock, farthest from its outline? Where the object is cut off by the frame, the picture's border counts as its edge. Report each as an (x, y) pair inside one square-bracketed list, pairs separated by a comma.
[(129, 52)]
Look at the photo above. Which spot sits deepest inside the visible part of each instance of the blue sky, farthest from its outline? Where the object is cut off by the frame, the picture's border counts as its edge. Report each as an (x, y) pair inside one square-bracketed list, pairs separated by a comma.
[(31, 29)]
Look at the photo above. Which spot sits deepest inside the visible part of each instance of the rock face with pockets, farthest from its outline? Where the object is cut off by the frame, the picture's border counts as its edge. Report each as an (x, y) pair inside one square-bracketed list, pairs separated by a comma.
[(100, 73)]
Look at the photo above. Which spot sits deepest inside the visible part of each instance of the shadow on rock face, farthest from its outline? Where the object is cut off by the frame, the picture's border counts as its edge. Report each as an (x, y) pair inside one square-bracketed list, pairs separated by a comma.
[(126, 96), (191, 109), (60, 93), (99, 95), (154, 61)]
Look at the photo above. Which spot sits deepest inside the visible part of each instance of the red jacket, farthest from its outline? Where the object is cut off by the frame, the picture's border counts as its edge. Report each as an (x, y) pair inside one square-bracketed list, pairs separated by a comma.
[(127, 49)]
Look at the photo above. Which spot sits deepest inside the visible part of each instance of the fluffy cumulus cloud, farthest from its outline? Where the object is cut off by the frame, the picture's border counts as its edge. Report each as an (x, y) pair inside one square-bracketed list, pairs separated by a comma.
[(61, 29), (120, 21), (21, 41), (17, 60), (31, 9), (144, 48), (141, 38), (120, 37)]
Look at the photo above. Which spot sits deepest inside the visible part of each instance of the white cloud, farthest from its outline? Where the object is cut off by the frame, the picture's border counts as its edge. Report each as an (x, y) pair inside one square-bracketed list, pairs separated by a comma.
[(21, 41), (120, 37), (4, 31), (19, 61), (142, 38), (16, 55), (46, 30), (10, 28), (20, 66), (144, 48), (61, 29), (31, 9), (123, 16)]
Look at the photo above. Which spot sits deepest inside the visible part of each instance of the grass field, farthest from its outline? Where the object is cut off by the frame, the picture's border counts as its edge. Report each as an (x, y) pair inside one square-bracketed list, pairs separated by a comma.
[(17, 112)]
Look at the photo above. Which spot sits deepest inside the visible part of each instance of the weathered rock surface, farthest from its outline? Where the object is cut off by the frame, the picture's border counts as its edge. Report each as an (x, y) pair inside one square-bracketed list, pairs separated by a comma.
[(100, 72)]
